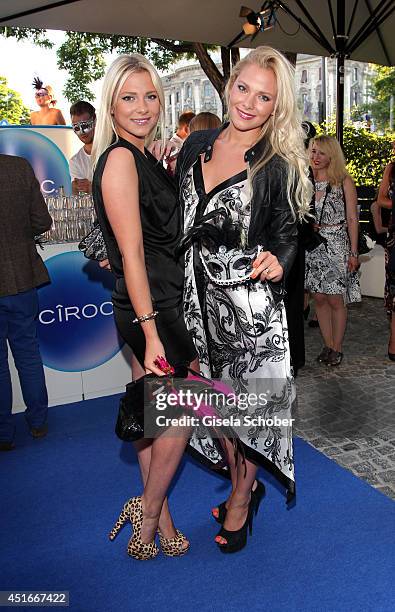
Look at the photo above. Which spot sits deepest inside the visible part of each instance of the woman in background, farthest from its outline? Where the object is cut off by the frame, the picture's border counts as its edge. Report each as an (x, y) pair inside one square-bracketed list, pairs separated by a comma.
[(45, 99), (136, 206), (204, 121), (385, 200), (331, 269)]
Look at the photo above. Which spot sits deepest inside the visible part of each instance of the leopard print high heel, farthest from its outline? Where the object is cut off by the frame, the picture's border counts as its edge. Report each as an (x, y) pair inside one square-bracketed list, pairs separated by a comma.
[(173, 547), (137, 549), (123, 518)]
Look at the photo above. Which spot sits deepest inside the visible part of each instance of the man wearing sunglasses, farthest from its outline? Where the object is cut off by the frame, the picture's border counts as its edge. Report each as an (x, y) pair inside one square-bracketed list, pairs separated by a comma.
[(83, 119)]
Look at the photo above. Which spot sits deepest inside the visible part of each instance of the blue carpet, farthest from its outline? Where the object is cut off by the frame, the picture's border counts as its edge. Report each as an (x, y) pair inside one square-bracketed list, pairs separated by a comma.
[(333, 552)]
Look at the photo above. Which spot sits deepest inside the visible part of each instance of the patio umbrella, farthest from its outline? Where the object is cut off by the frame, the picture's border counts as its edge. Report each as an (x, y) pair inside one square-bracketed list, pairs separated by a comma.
[(356, 29)]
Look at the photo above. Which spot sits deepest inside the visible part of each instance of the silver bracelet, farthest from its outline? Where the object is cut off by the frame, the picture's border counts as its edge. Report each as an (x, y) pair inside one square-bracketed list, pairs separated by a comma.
[(146, 317), (354, 254)]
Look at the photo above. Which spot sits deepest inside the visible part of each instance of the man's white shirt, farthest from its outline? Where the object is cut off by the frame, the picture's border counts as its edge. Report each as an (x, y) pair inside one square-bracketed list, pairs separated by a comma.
[(81, 166)]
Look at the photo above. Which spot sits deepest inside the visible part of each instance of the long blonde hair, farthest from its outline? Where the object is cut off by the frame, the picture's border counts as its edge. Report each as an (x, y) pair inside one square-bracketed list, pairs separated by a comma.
[(283, 130), (336, 170), (52, 101), (116, 75)]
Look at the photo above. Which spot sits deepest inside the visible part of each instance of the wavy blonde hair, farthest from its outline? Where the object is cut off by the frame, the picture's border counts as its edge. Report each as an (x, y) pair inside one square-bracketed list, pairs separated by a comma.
[(283, 130), (51, 94), (115, 77), (336, 170)]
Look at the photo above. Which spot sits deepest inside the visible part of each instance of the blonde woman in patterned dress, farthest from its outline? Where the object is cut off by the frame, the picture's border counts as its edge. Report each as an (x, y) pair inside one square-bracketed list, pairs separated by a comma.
[(331, 269), (246, 184)]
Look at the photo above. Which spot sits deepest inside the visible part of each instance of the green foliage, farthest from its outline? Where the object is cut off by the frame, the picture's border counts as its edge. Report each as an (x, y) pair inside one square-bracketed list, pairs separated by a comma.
[(367, 153), (37, 37), (11, 106), (381, 88), (82, 55)]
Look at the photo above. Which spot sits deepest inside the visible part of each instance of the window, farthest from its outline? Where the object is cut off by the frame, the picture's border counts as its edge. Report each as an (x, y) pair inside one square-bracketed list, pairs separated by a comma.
[(170, 100), (304, 76), (355, 98), (189, 91), (355, 73), (177, 96), (207, 89), (319, 74)]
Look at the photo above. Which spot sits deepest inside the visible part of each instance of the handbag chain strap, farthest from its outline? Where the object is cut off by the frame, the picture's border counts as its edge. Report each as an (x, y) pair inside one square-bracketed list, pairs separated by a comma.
[(327, 192)]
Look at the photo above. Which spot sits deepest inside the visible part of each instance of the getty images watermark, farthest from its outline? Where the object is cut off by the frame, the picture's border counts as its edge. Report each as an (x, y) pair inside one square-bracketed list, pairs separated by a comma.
[(218, 407)]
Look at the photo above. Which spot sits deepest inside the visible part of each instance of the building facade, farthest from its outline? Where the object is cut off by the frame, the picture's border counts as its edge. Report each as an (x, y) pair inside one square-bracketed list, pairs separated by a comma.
[(188, 88), (315, 83)]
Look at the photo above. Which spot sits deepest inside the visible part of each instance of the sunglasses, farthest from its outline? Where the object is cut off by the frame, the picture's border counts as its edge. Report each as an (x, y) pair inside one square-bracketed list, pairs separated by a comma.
[(41, 94), (84, 126)]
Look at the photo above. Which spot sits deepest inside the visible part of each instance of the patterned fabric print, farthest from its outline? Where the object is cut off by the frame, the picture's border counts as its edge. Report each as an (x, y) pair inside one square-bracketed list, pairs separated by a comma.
[(389, 290), (242, 339), (326, 266)]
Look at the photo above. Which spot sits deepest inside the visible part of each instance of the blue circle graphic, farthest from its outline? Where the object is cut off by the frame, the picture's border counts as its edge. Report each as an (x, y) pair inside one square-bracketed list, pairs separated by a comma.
[(47, 160), (76, 327)]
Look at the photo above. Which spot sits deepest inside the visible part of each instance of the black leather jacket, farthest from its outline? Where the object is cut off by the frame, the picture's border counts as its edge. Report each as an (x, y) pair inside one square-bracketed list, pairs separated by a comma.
[(272, 223)]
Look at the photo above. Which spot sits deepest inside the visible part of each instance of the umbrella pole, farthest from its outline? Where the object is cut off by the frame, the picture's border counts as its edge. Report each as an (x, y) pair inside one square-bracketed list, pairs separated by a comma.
[(340, 40), (339, 97)]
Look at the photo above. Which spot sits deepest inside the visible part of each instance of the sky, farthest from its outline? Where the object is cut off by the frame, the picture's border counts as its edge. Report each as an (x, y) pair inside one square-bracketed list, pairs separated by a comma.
[(20, 62)]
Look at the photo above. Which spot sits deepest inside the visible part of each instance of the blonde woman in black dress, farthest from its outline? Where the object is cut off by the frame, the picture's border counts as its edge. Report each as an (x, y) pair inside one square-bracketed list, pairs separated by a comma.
[(136, 205)]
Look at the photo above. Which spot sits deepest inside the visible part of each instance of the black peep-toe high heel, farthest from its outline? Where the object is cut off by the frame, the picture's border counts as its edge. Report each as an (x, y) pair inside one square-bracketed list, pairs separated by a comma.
[(257, 495)]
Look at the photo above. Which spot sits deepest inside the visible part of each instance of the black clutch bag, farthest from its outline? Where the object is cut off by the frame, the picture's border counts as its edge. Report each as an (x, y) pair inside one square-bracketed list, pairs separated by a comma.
[(93, 245), (136, 402), (309, 238), (363, 247), (130, 422)]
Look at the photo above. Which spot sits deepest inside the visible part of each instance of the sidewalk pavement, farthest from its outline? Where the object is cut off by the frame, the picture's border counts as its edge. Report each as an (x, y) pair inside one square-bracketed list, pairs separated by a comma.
[(348, 412)]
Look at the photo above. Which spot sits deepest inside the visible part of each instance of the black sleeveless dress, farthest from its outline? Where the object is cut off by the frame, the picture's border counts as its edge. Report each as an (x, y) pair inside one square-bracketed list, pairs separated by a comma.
[(161, 225)]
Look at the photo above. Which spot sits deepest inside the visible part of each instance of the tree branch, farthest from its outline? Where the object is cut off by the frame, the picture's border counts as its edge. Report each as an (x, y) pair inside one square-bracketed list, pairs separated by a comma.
[(179, 48), (235, 55), (225, 59), (209, 68)]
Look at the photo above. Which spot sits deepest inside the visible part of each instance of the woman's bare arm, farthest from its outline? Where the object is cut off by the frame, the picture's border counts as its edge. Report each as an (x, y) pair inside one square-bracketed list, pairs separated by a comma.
[(60, 120), (351, 202), (382, 198)]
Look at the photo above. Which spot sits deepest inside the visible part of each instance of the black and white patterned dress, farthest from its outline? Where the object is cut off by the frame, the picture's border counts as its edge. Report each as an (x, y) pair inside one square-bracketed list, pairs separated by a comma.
[(239, 331), (326, 266), (389, 288)]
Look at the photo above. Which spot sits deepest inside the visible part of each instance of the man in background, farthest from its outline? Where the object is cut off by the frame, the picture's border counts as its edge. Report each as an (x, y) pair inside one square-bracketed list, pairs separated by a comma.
[(177, 140), (83, 119), (183, 129), (24, 215)]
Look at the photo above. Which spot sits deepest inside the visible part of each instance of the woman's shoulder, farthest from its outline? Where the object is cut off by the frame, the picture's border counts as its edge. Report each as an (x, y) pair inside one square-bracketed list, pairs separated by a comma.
[(389, 170), (201, 137), (33, 116), (118, 153), (274, 167), (194, 145), (118, 150), (59, 116), (348, 181)]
